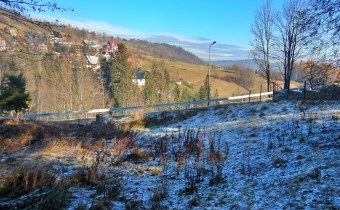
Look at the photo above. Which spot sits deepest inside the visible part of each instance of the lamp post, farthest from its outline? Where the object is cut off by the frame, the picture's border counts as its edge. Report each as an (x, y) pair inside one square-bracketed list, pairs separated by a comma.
[(209, 74)]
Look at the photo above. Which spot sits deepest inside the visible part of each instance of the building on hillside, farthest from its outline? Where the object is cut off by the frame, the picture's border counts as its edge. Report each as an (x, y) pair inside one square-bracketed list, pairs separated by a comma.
[(178, 81), (12, 31), (106, 52), (109, 48), (55, 36), (36, 44), (92, 62), (92, 43), (66, 43), (42, 48), (37, 41), (138, 78), (65, 56), (113, 45), (2, 44)]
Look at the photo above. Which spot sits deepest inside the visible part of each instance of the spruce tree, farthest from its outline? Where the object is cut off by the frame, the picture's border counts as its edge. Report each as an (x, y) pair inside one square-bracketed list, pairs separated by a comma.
[(120, 77), (203, 92), (13, 94)]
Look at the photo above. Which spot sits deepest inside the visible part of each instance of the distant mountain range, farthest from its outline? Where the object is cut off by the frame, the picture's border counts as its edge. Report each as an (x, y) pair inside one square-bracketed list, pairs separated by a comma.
[(226, 63)]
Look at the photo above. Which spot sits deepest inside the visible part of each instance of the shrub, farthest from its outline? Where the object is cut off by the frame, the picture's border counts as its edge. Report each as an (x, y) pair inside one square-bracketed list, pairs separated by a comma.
[(138, 154), (56, 198), (102, 204), (271, 144), (299, 157), (335, 117), (262, 114), (287, 150), (279, 160), (86, 175), (315, 174), (157, 198), (253, 110), (302, 139), (264, 107), (193, 202), (132, 204), (25, 180)]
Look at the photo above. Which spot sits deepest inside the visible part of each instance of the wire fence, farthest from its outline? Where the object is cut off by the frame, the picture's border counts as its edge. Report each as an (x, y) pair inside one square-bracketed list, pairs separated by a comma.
[(91, 114)]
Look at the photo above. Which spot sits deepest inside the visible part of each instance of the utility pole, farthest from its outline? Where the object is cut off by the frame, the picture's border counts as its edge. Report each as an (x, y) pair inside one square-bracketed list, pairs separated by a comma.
[(209, 74)]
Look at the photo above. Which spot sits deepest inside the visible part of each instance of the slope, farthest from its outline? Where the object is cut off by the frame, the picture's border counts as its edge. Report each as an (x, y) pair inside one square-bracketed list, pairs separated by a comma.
[(272, 155)]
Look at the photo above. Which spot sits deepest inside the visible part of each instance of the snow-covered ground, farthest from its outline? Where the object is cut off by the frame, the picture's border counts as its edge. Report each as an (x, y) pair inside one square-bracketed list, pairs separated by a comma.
[(274, 155), (306, 137)]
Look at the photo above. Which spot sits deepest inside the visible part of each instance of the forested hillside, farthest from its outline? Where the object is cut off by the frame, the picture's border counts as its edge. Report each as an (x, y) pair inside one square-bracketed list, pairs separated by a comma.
[(67, 68), (162, 50)]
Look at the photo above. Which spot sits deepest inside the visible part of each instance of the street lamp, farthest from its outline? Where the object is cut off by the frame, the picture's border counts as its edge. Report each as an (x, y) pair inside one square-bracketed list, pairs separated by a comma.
[(209, 74)]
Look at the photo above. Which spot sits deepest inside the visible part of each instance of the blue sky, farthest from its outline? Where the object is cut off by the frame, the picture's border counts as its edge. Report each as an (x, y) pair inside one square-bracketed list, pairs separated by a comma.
[(191, 24)]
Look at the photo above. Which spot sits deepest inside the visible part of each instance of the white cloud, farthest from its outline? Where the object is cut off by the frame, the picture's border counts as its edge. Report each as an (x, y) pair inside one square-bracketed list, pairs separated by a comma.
[(196, 45), (97, 26), (185, 39)]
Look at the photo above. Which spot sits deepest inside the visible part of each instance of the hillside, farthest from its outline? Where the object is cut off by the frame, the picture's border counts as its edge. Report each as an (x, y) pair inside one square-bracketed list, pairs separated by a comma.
[(162, 50), (227, 63), (272, 155), (193, 75), (60, 78)]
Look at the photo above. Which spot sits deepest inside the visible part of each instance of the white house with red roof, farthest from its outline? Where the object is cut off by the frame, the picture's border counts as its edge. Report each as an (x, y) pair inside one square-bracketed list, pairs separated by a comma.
[(113, 44)]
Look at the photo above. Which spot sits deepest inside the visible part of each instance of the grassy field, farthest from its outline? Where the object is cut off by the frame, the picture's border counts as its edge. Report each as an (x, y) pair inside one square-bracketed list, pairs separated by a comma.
[(195, 74)]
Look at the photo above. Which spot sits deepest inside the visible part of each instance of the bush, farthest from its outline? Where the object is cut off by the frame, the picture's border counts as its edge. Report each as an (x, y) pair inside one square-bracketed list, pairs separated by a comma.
[(87, 175), (287, 150), (56, 198), (193, 202), (279, 160), (132, 204), (315, 174), (264, 107), (157, 198), (102, 204)]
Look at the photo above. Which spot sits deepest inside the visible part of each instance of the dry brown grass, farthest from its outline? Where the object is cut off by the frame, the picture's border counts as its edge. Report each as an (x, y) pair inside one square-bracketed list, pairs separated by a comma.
[(15, 137), (195, 74)]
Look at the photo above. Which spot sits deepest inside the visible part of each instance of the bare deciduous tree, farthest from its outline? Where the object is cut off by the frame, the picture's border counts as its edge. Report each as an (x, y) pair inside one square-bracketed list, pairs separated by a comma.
[(262, 39), (324, 16), (291, 38), (20, 8)]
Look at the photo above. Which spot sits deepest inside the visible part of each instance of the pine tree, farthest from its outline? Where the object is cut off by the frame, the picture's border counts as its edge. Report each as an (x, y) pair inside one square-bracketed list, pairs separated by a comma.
[(151, 89), (216, 94), (203, 92), (120, 77), (13, 94), (177, 94)]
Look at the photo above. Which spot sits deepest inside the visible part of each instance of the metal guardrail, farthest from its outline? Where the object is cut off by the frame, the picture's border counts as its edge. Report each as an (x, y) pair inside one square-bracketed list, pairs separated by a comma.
[(113, 110)]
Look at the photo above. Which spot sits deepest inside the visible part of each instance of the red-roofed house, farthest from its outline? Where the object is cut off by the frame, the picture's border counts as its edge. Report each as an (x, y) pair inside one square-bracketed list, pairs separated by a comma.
[(113, 45)]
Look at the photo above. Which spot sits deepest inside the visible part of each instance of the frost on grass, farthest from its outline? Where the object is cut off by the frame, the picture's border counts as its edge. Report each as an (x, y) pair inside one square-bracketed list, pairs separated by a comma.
[(260, 155)]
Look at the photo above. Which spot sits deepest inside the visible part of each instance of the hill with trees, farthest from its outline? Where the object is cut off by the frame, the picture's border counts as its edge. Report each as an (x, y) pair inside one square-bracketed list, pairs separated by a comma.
[(53, 61), (162, 50)]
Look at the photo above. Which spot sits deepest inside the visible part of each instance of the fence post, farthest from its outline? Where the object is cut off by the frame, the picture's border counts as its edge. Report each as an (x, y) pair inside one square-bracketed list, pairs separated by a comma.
[(261, 93), (304, 90), (273, 91), (249, 95)]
